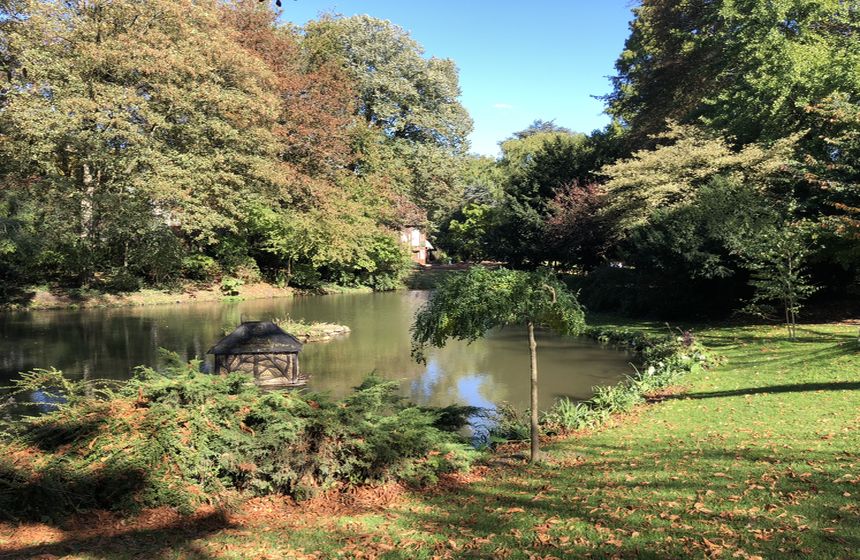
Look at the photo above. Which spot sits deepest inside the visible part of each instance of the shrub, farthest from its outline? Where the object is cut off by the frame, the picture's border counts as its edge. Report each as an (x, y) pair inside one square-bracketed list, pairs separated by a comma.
[(181, 438), (305, 275), (568, 415), (508, 424), (120, 279), (200, 267), (230, 286)]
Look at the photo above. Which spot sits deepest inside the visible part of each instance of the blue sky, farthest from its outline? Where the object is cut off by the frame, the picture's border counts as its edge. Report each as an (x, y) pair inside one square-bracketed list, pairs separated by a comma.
[(519, 60)]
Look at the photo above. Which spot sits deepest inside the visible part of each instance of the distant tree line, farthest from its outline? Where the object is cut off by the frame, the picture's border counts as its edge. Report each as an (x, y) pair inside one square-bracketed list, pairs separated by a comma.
[(147, 143), (729, 177)]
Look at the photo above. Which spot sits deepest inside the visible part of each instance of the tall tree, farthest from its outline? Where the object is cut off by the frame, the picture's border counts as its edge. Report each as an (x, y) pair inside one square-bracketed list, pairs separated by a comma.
[(835, 172), (315, 124), (743, 67), (686, 159), (114, 140), (577, 233), (410, 100)]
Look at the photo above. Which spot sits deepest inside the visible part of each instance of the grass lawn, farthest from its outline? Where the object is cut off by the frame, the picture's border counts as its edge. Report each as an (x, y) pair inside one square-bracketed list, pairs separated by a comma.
[(758, 458)]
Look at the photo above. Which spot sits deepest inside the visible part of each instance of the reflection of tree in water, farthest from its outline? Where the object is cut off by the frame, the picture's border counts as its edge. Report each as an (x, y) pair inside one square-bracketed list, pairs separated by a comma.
[(456, 374), (101, 343), (572, 366)]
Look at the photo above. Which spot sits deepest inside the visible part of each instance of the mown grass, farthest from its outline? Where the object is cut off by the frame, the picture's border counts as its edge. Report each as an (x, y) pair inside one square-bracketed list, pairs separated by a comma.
[(759, 457)]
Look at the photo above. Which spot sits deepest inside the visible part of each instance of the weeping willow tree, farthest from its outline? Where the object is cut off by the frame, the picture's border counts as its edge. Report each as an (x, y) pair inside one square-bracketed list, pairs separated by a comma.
[(468, 305)]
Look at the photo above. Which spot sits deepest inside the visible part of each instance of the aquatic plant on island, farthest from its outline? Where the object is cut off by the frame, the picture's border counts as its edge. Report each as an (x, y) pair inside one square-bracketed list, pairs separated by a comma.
[(181, 438), (304, 331), (312, 332)]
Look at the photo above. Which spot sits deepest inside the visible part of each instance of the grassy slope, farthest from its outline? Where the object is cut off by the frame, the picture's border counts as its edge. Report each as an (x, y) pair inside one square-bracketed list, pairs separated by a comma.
[(761, 457)]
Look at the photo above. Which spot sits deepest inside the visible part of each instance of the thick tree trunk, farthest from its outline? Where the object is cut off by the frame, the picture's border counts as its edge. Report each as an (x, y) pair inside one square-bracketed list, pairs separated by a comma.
[(534, 394)]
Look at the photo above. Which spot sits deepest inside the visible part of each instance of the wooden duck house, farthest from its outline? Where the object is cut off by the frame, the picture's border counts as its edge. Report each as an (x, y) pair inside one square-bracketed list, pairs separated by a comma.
[(263, 349)]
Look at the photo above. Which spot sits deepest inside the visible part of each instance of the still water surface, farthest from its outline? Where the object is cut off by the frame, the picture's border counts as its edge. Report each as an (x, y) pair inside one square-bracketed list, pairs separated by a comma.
[(109, 343)]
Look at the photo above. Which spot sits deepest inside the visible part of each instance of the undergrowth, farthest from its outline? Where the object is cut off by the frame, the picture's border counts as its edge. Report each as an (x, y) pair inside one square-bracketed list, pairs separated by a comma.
[(665, 361), (181, 438)]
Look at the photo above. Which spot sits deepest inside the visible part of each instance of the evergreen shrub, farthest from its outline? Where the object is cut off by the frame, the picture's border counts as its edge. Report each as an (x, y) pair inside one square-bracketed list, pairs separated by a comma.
[(181, 438)]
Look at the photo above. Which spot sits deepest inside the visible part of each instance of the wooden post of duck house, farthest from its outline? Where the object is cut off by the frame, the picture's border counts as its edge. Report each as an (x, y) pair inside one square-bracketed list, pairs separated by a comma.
[(262, 349)]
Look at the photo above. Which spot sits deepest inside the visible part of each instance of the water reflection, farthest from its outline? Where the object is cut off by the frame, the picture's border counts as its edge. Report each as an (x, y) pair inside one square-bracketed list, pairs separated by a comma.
[(109, 343)]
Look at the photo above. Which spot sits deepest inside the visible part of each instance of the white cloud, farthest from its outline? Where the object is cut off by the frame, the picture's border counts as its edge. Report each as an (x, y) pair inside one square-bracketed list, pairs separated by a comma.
[(503, 106)]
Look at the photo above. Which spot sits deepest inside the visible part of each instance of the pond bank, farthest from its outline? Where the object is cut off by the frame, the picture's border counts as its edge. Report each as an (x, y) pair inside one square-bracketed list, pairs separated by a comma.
[(44, 298)]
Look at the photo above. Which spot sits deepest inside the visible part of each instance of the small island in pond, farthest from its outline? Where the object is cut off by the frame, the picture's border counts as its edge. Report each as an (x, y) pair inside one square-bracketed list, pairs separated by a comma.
[(312, 332)]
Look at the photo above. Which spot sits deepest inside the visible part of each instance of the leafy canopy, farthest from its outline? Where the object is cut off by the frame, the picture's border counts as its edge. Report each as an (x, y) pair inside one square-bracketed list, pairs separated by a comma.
[(468, 305), (672, 174), (743, 67)]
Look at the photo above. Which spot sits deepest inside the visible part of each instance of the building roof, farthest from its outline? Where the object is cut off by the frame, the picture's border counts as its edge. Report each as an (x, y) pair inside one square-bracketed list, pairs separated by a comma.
[(257, 337)]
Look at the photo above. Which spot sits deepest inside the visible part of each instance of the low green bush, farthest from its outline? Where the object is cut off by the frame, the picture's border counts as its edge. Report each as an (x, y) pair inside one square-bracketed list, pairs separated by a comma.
[(508, 423), (200, 267), (230, 286), (182, 438), (569, 415), (665, 361)]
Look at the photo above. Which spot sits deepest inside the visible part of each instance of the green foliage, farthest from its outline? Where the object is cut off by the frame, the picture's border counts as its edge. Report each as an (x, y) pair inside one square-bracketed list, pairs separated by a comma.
[(465, 306), (222, 135), (777, 258), (465, 234), (508, 424), (762, 94), (539, 164), (536, 166), (676, 468), (745, 68), (518, 209), (200, 267), (230, 286), (181, 438), (664, 362), (401, 92), (672, 175), (113, 153), (568, 415), (834, 176), (383, 265), (417, 129)]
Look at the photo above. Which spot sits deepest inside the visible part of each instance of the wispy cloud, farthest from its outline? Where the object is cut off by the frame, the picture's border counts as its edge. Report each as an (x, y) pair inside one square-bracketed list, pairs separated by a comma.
[(503, 106)]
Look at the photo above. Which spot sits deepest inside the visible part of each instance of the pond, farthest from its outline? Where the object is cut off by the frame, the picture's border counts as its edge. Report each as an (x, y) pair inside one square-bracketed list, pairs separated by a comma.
[(109, 343)]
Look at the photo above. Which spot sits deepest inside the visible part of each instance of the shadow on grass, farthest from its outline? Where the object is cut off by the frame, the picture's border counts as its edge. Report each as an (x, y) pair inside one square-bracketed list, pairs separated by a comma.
[(807, 336), (615, 508), (790, 356), (148, 542), (53, 493), (795, 388)]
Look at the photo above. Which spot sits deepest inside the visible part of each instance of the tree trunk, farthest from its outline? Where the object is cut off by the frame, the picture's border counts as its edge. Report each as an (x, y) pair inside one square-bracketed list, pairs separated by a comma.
[(535, 431), (86, 224)]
